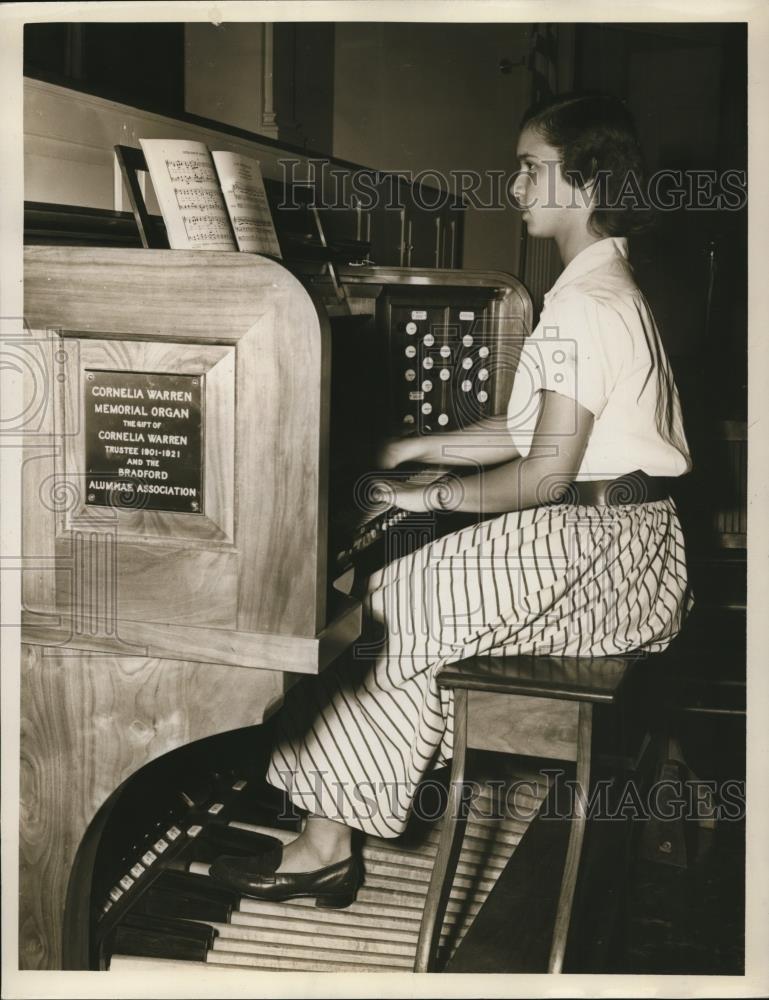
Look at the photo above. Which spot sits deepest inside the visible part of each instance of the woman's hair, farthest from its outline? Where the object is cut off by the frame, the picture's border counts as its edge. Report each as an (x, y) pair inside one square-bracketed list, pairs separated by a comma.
[(596, 138)]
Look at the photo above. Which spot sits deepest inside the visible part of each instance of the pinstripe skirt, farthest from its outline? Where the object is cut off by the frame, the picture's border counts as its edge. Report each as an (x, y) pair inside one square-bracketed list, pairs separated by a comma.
[(353, 743)]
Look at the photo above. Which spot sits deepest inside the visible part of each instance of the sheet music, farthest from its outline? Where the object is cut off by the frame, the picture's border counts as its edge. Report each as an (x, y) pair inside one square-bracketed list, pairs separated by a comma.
[(188, 193), (243, 187)]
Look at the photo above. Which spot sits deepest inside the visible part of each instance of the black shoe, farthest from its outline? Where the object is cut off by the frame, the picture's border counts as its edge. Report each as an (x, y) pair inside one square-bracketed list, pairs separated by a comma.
[(334, 886)]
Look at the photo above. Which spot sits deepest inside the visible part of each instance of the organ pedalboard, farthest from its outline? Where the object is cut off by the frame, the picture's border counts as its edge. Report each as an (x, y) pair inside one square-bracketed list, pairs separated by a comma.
[(148, 902), (169, 912)]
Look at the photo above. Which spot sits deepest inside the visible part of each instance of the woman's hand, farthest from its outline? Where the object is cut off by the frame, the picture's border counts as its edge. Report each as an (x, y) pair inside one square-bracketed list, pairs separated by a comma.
[(396, 493), (486, 442), (440, 493)]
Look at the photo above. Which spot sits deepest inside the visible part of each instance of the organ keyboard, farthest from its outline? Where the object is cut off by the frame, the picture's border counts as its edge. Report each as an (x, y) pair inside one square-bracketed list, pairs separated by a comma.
[(151, 625), (369, 539)]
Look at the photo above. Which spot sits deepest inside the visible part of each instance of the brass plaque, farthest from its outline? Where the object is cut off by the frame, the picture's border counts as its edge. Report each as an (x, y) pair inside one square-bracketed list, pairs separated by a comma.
[(144, 441)]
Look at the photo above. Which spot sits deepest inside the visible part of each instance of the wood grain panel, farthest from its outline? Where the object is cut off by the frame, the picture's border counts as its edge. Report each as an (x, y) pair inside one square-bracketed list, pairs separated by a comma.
[(219, 445), (67, 171), (146, 294), (283, 409), (87, 723), (517, 724), (152, 583), (260, 651), (576, 839), (40, 490)]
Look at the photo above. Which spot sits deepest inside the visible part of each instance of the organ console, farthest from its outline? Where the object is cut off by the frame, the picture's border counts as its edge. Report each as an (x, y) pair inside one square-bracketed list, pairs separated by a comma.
[(200, 427)]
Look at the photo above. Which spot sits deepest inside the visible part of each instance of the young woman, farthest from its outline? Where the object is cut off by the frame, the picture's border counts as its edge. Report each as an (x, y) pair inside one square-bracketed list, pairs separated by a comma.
[(565, 568)]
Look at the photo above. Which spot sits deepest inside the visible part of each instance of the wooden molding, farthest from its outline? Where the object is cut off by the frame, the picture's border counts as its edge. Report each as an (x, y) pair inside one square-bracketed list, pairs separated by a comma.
[(258, 651), (269, 123)]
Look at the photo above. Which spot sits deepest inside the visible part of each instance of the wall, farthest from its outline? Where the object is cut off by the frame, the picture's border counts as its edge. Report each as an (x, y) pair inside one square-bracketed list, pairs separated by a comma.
[(432, 97), (273, 79), (223, 74)]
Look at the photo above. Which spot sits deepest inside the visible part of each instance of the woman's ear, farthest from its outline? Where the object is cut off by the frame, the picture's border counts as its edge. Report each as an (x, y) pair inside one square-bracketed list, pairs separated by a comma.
[(585, 195), (585, 183)]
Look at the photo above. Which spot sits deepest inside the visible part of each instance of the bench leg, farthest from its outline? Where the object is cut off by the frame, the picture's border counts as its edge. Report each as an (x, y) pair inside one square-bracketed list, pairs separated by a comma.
[(449, 846), (576, 838)]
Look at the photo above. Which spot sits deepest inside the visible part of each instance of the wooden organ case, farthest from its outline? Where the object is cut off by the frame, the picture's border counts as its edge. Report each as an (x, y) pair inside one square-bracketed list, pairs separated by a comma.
[(199, 418)]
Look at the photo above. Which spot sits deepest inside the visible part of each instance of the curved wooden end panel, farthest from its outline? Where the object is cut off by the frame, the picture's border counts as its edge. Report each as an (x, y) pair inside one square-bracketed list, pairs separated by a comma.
[(87, 723)]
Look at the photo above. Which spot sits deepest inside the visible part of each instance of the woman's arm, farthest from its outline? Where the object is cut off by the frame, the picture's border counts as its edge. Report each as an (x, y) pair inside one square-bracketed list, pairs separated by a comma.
[(486, 442), (559, 442)]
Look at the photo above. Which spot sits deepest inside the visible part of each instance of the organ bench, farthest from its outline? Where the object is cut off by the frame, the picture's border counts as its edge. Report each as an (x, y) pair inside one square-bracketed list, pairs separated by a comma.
[(540, 706)]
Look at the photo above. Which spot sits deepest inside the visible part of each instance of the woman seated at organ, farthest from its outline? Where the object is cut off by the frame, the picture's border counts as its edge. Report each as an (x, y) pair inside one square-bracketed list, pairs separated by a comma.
[(559, 569)]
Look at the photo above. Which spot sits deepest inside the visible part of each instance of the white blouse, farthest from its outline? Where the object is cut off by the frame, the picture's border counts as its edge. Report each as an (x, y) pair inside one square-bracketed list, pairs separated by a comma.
[(597, 343)]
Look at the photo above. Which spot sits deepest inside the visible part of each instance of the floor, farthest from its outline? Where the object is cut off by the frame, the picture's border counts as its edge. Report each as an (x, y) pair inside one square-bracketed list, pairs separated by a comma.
[(691, 920)]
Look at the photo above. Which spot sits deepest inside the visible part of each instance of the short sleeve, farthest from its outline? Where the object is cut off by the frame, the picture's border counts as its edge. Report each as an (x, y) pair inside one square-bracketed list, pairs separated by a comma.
[(571, 348)]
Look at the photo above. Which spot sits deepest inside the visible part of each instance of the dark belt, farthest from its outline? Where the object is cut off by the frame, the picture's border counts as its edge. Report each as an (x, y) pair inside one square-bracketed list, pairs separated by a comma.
[(633, 487)]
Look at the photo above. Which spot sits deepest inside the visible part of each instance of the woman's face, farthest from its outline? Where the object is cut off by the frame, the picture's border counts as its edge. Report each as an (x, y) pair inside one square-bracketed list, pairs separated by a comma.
[(550, 204)]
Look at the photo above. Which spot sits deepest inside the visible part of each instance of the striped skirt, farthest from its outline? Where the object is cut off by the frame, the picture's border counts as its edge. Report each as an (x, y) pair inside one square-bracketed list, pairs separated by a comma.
[(354, 742)]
